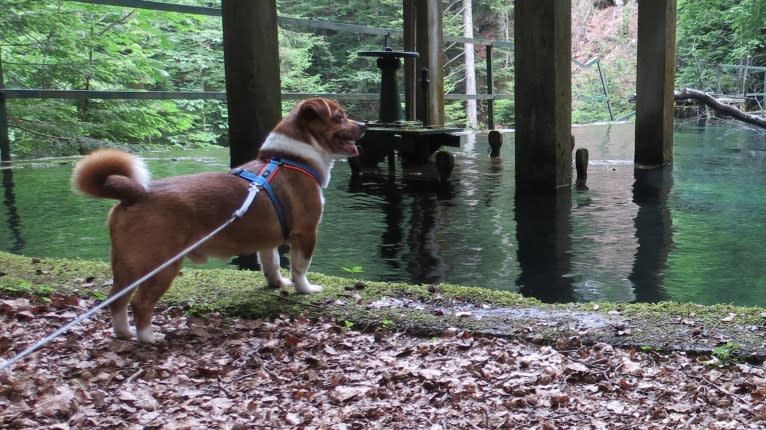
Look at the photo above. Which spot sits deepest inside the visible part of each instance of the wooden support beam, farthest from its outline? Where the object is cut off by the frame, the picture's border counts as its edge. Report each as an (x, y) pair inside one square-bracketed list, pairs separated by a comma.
[(430, 45), (410, 64), (655, 83), (253, 85), (542, 31)]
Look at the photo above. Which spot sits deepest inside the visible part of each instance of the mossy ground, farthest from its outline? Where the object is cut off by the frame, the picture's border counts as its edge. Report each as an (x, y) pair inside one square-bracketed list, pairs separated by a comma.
[(421, 309)]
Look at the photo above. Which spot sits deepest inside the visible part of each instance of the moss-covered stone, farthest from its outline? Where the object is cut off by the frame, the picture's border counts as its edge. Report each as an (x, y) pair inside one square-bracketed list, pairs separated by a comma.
[(421, 309)]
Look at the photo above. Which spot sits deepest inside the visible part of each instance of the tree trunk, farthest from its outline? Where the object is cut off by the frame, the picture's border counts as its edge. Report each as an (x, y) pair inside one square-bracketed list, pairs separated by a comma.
[(470, 65), (5, 141), (705, 98)]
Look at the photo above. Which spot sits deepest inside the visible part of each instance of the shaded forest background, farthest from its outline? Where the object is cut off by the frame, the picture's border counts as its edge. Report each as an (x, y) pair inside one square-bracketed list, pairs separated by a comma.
[(68, 45)]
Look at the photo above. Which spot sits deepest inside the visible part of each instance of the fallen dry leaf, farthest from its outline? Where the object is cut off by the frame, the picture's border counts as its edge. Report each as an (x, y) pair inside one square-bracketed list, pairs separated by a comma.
[(318, 374)]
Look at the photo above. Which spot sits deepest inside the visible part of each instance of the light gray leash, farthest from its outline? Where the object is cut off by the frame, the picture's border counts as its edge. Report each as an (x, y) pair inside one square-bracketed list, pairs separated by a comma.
[(239, 213)]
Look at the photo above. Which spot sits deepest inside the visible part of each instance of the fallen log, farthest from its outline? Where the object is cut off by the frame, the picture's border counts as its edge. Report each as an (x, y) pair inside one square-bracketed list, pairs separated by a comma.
[(705, 98)]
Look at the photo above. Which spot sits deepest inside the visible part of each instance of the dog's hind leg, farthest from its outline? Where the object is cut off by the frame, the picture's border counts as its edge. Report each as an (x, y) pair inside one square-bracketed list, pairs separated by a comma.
[(122, 275), (119, 310), (300, 260), (146, 298), (269, 259)]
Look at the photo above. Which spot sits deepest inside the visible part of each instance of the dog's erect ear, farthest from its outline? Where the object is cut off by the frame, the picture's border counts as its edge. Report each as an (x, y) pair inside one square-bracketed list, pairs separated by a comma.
[(316, 108)]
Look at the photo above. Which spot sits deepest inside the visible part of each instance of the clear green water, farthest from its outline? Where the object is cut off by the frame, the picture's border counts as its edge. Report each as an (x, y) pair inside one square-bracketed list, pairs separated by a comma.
[(693, 232)]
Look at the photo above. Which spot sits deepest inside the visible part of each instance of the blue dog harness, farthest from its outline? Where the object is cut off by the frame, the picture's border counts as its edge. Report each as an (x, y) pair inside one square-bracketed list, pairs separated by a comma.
[(264, 178)]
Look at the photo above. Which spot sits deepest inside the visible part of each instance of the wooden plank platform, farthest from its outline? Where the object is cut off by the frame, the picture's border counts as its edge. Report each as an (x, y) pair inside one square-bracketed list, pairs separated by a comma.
[(415, 145)]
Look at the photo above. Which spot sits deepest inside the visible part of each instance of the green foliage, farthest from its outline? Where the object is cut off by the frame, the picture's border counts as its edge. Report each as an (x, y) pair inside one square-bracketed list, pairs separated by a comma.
[(295, 55), (454, 113), (724, 354), (505, 113), (330, 57), (713, 32), (353, 269), (96, 294), (201, 310), (60, 44), (25, 288), (71, 45)]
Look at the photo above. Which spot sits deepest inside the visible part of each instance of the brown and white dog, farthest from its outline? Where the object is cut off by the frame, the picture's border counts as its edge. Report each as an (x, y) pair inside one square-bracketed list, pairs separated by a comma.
[(154, 221)]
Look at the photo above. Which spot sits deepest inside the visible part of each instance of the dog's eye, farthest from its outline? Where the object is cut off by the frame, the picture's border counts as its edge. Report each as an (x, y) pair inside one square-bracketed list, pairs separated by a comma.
[(338, 116)]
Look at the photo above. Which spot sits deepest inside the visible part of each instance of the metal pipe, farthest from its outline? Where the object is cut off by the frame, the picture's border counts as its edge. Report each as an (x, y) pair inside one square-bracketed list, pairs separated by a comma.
[(606, 91), (490, 91), (425, 84)]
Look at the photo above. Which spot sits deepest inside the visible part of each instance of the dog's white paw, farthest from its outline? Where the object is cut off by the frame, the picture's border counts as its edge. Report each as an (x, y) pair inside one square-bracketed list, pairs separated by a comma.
[(121, 326), (311, 289), (148, 335), (279, 282), (305, 287), (124, 333)]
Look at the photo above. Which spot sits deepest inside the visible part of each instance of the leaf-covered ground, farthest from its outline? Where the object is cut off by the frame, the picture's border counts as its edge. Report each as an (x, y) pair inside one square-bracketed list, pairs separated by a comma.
[(321, 374)]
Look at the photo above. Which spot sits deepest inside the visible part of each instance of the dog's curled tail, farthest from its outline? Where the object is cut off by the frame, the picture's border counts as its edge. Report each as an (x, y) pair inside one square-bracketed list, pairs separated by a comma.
[(113, 174)]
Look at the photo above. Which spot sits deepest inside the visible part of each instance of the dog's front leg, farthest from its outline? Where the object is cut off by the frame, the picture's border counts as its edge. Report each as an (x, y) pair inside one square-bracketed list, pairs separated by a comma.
[(300, 260), (269, 259)]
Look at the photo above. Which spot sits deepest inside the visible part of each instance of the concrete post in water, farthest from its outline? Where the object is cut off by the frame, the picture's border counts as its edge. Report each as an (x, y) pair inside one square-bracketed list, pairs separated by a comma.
[(581, 166), (543, 93), (253, 86), (445, 163), (655, 82), (495, 142)]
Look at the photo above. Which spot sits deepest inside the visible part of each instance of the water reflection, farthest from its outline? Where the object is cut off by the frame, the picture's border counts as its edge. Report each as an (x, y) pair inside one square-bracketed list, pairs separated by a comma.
[(543, 234), (653, 224), (14, 221), (415, 245), (691, 233)]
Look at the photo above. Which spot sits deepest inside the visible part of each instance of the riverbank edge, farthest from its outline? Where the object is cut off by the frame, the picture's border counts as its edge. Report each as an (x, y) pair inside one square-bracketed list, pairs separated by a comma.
[(422, 310)]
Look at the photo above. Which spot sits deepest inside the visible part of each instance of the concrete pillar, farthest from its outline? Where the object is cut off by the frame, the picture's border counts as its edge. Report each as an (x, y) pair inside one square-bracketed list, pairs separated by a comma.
[(655, 83), (542, 36), (430, 45), (253, 86)]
